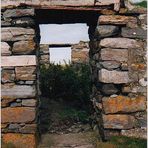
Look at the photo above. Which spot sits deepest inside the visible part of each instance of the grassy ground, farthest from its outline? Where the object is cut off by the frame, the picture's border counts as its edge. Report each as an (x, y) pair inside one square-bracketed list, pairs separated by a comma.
[(123, 142)]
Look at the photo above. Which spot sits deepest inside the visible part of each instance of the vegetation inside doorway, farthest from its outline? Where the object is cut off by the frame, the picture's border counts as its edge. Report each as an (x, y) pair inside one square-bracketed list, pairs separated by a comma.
[(65, 97)]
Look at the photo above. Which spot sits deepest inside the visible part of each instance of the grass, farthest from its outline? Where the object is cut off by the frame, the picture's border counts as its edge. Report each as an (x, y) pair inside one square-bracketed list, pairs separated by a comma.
[(123, 142), (73, 114), (143, 4)]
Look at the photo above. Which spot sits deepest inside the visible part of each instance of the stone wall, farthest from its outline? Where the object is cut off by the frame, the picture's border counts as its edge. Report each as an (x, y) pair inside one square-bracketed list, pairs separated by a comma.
[(79, 53), (19, 77), (117, 59)]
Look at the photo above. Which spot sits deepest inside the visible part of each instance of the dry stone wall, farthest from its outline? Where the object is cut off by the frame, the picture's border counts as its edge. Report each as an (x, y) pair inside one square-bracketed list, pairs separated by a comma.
[(19, 77), (117, 59)]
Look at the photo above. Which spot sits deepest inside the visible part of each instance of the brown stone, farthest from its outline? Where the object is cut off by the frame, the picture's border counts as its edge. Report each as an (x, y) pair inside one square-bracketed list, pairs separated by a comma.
[(25, 73), (7, 76), (20, 140), (134, 33), (119, 43), (108, 54), (18, 91), (5, 49), (118, 121), (18, 115), (123, 104), (16, 34), (117, 20), (6, 101), (44, 49), (18, 13), (9, 61), (23, 47), (116, 77)]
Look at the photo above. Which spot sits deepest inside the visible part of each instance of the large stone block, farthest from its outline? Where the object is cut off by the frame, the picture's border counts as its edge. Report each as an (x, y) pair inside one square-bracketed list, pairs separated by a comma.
[(108, 54), (23, 47), (117, 19), (116, 77), (29, 102), (18, 91), (18, 115), (48, 3), (20, 140), (119, 43), (106, 31), (134, 33), (16, 34), (18, 13), (8, 76), (123, 104), (5, 49), (118, 121), (25, 73), (9, 61)]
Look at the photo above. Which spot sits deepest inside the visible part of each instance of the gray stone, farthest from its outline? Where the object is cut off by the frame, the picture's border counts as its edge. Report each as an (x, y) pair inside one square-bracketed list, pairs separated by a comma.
[(106, 31), (29, 82), (44, 49), (18, 13), (108, 54), (143, 82), (134, 33), (13, 126), (23, 22), (5, 49), (116, 77), (29, 102), (16, 34), (110, 64), (18, 91), (120, 43), (44, 59), (109, 89), (15, 104), (28, 128), (136, 132)]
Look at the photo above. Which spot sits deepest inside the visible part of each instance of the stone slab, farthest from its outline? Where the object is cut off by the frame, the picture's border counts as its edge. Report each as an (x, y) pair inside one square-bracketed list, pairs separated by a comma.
[(119, 43), (123, 104), (108, 54), (117, 20), (25, 73), (118, 121), (28, 60), (116, 77), (18, 13), (20, 140), (18, 91), (18, 115), (48, 3), (16, 34)]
